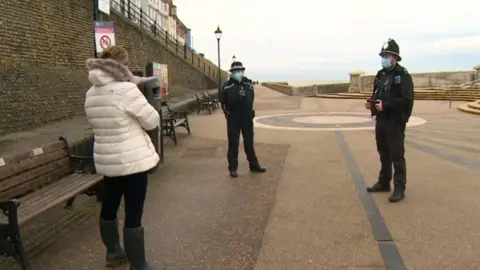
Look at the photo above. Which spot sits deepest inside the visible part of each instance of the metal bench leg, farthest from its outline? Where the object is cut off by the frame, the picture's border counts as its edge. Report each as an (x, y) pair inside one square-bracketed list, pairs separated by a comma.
[(69, 204), (170, 131), (10, 239), (173, 134), (187, 126)]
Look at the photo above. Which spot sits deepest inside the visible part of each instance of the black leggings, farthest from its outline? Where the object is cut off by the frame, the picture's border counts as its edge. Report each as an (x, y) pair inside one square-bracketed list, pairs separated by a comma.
[(134, 188)]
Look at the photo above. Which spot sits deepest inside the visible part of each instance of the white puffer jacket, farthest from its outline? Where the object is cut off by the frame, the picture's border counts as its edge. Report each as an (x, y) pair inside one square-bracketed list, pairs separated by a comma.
[(119, 115)]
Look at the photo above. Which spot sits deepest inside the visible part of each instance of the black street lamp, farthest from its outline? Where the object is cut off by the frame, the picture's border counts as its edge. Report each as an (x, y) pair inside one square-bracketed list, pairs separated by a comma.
[(234, 58), (218, 34)]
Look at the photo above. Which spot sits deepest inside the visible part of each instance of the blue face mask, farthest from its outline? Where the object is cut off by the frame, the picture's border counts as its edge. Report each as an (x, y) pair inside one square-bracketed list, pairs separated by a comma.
[(237, 76), (386, 63)]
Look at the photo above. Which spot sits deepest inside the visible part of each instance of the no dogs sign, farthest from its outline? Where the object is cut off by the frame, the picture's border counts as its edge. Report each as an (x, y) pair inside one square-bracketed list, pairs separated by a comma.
[(104, 35)]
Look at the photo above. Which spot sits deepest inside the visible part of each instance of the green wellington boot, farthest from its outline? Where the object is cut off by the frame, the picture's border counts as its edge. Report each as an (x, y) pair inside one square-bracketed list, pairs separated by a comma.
[(134, 240), (111, 239)]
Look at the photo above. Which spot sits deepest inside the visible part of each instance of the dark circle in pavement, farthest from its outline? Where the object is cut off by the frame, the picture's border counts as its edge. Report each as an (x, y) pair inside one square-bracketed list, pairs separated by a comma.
[(323, 121)]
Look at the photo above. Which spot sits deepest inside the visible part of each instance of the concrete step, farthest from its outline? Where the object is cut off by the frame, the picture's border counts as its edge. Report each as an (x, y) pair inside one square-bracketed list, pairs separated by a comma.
[(474, 105), (432, 93), (471, 107)]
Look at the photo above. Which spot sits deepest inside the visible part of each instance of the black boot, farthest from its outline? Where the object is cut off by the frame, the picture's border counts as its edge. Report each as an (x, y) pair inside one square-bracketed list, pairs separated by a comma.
[(398, 194), (233, 174), (134, 240), (256, 168), (379, 187), (111, 240)]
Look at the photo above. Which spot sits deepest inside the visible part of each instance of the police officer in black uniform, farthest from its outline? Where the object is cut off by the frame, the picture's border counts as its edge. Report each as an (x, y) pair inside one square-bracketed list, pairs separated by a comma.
[(391, 103), (237, 98)]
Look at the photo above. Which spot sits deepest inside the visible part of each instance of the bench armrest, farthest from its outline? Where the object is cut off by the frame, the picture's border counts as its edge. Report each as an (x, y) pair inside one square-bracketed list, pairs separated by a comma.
[(82, 164), (9, 209), (9, 203)]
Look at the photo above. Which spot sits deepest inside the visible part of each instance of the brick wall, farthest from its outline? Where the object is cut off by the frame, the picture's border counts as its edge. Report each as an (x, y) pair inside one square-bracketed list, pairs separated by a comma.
[(43, 48)]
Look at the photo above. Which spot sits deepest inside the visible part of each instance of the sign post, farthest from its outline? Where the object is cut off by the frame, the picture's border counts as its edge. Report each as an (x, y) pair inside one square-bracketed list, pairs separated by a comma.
[(104, 35)]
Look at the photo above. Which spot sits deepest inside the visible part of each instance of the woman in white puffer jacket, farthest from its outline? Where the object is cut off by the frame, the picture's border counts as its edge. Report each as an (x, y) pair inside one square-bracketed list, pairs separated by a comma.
[(123, 152)]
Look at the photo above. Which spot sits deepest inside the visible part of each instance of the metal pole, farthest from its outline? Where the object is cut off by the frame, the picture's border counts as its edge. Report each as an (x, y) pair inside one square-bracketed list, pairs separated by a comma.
[(96, 16), (450, 104), (219, 70)]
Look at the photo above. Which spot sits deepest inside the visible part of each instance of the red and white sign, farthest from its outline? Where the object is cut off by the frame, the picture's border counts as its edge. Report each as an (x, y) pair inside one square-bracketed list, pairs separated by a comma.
[(104, 35), (105, 42)]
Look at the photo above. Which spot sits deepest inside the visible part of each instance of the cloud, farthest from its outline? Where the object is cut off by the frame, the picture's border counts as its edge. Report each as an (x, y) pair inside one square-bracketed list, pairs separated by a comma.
[(331, 37)]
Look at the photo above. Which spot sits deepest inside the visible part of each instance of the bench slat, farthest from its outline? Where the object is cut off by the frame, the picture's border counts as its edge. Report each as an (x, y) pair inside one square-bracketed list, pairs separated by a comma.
[(26, 164), (46, 194), (47, 148), (46, 198), (54, 194), (30, 176), (33, 185)]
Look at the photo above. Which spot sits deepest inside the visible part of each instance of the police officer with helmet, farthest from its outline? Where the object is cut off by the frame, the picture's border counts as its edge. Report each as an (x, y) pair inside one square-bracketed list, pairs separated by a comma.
[(237, 98), (391, 104)]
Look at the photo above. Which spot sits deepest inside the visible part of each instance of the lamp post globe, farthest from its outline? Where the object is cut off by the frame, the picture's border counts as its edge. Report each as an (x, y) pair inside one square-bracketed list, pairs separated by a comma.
[(218, 32)]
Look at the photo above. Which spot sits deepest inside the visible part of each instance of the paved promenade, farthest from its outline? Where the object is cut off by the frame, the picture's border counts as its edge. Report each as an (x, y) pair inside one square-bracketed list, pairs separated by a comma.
[(309, 211)]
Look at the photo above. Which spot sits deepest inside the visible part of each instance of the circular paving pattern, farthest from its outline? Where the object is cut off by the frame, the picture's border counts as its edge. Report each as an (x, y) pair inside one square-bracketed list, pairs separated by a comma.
[(331, 121)]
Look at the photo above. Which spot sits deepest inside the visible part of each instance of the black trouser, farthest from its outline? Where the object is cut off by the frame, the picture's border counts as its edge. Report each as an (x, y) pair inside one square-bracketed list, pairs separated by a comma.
[(390, 137), (134, 189), (237, 123)]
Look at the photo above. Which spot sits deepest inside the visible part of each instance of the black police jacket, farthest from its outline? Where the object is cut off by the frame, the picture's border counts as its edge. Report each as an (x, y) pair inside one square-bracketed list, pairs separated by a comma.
[(237, 97), (395, 89)]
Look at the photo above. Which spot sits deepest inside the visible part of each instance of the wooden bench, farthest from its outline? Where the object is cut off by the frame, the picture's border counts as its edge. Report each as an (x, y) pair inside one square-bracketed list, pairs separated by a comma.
[(204, 104), (172, 119), (207, 96), (35, 181)]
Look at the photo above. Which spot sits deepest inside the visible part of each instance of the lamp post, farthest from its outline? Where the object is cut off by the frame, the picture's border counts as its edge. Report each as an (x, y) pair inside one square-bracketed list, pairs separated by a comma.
[(234, 58), (218, 34)]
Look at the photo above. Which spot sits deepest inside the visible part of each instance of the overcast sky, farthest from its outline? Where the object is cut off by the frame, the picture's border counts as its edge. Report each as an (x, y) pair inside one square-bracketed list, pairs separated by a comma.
[(318, 40)]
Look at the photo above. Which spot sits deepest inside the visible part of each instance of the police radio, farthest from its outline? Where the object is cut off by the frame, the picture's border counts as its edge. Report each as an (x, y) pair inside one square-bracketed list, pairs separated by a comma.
[(375, 100)]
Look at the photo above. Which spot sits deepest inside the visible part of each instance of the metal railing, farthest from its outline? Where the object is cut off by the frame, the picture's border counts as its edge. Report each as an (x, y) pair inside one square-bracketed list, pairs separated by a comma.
[(137, 15)]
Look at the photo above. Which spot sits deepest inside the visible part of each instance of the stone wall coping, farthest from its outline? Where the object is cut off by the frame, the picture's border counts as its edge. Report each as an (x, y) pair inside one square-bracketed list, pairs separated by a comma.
[(477, 67), (433, 72), (311, 85), (356, 73)]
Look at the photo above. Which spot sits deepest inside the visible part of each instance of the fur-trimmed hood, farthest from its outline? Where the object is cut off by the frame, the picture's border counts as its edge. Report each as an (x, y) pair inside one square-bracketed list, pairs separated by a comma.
[(105, 71)]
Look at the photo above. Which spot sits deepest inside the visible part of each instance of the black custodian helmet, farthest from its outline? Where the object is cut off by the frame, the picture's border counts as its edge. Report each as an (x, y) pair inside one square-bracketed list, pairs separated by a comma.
[(391, 48), (237, 66)]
